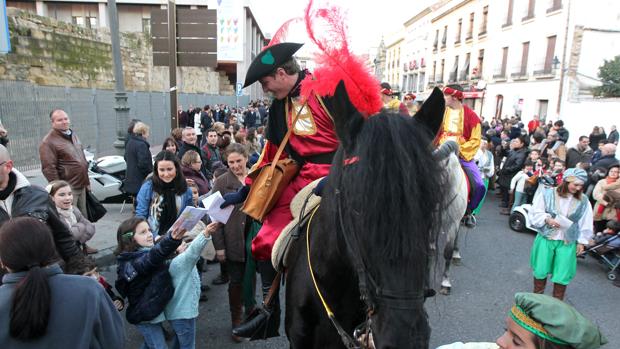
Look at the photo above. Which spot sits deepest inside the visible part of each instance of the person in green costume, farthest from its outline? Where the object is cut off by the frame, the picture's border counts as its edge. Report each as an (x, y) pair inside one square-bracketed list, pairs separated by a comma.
[(562, 217), (537, 321)]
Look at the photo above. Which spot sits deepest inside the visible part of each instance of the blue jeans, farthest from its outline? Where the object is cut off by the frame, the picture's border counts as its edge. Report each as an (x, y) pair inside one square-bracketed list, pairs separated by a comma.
[(153, 336), (185, 333)]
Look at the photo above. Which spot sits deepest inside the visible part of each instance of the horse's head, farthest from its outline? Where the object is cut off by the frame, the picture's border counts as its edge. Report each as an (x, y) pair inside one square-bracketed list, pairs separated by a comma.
[(388, 194)]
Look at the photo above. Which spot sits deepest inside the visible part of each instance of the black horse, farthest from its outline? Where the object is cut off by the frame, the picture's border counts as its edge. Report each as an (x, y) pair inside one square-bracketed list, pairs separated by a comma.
[(370, 237)]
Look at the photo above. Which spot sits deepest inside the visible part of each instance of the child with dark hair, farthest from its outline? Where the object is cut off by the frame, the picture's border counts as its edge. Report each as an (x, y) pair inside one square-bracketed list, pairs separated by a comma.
[(88, 267), (143, 277), (40, 307), (517, 184)]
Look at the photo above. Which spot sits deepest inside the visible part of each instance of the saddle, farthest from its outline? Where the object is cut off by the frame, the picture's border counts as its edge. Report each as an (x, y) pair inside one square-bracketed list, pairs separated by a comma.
[(301, 206)]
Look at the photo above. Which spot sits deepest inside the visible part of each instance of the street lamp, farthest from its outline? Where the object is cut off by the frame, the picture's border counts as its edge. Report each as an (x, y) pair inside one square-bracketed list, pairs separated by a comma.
[(555, 62)]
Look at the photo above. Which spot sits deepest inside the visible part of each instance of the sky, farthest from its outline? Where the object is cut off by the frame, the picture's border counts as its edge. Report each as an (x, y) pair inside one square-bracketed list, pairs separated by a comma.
[(367, 21)]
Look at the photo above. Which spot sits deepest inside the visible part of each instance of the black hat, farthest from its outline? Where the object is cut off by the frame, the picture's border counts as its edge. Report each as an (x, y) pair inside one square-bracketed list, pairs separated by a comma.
[(269, 59)]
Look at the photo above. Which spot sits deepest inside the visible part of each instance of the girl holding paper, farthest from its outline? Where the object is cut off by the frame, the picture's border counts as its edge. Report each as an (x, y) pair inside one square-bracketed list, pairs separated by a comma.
[(229, 239), (163, 196), (562, 217)]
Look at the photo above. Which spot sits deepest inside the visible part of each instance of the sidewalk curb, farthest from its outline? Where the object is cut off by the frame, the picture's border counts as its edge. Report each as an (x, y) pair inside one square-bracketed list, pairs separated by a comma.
[(105, 257)]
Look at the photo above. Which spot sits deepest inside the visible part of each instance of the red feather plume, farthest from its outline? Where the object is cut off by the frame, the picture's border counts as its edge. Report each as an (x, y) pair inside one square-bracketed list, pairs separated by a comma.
[(335, 62), (281, 33)]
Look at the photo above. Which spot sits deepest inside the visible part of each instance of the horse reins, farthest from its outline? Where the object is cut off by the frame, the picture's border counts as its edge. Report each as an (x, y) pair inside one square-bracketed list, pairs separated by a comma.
[(347, 340)]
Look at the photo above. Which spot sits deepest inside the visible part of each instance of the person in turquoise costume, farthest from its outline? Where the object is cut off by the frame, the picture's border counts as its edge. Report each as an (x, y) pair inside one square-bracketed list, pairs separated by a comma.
[(562, 217)]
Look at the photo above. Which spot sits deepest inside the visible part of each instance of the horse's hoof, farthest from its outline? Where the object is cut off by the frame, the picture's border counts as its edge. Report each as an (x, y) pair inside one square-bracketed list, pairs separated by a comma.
[(444, 291), (456, 261)]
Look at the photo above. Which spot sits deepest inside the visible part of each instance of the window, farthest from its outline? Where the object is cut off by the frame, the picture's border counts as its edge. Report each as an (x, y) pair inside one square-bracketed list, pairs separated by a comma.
[(504, 60), (555, 5), (470, 29), (421, 84), (458, 31), (465, 70), (78, 20), (530, 10), (434, 76), (549, 55), (445, 36), (485, 17), (501, 72), (499, 104), (524, 55), (508, 21), (443, 65), (414, 83), (436, 42), (480, 62), (542, 105), (455, 70), (146, 26)]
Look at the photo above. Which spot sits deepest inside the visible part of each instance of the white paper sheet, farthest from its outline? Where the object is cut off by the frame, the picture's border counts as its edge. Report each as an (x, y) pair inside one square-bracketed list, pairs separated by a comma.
[(564, 222), (212, 205), (189, 218)]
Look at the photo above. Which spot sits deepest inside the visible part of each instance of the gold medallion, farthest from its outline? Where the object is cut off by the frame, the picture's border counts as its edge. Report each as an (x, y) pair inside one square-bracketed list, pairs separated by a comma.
[(304, 126)]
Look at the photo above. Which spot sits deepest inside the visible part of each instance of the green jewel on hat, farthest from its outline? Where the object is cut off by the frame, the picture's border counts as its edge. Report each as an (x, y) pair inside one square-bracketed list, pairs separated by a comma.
[(556, 321), (269, 59)]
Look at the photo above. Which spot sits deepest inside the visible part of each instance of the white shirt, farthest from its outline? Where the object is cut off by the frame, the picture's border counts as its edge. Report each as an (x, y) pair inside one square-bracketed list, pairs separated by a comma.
[(564, 207)]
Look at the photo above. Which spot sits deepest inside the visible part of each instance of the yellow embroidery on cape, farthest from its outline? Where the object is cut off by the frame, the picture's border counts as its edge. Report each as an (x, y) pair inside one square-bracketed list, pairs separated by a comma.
[(305, 125), (523, 318)]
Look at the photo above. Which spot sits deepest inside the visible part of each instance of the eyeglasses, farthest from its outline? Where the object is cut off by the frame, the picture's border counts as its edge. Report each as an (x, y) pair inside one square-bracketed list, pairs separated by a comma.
[(4, 162), (408, 98)]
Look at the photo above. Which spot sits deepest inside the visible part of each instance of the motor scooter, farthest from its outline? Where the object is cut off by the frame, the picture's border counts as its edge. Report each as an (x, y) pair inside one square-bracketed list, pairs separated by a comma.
[(106, 176)]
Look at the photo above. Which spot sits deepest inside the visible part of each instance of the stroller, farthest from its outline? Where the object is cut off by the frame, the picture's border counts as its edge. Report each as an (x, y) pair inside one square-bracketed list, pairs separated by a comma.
[(607, 250)]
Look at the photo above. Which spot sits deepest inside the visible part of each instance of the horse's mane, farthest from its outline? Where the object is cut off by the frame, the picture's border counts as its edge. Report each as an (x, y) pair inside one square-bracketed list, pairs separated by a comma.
[(392, 197)]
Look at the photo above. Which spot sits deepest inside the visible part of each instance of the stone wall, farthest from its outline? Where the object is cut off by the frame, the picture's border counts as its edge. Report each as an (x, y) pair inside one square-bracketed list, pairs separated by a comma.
[(53, 53)]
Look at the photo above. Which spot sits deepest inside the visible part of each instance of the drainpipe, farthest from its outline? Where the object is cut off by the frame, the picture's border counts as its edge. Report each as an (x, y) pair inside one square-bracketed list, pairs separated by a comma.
[(562, 69)]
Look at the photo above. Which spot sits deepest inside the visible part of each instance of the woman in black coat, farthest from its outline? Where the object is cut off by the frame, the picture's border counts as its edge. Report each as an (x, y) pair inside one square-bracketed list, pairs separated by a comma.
[(512, 165), (138, 159)]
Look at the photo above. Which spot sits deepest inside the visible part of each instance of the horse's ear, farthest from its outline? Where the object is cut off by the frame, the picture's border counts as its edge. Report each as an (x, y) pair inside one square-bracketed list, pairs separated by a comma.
[(432, 111), (347, 119)]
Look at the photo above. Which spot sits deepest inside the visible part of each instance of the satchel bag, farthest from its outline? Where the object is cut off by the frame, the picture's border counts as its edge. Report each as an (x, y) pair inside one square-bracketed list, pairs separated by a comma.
[(270, 180), (94, 209)]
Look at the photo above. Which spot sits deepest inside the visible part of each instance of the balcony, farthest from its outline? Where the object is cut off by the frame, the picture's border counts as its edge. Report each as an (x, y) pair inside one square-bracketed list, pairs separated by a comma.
[(519, 73), (544, 71), (499, 74), (463, 76), (452, 77)]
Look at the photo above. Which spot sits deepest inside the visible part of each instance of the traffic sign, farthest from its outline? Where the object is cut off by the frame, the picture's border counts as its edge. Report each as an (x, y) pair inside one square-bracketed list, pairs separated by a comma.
[(239, 89)]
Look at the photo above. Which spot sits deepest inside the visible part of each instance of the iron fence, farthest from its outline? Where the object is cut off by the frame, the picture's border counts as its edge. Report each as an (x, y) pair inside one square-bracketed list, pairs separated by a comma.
[(25, 108)]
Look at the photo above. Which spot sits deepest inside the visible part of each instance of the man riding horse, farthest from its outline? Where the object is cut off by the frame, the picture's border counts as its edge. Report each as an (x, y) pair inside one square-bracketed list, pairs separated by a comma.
[(462, 125), (312, 144)]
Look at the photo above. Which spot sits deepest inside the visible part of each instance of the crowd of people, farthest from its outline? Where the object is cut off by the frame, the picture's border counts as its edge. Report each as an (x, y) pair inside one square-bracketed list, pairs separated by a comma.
[(520, 160), (160, 266)]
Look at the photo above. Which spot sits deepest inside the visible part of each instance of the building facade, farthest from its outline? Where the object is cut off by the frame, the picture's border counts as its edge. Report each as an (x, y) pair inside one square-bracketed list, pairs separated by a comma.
[(415, 54), (516, 57), (392, 72)]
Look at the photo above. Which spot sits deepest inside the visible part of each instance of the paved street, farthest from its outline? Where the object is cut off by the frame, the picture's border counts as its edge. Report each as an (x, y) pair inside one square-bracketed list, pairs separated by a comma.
[(495, 266)]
